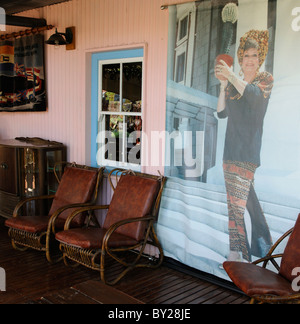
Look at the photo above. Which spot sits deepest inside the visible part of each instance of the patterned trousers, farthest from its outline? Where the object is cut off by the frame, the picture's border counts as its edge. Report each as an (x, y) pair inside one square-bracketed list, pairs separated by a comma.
[(239, 177)]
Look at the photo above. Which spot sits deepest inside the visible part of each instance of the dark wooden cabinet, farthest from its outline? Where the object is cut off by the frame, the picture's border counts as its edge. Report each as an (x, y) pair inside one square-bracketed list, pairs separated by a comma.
[(26, 170)]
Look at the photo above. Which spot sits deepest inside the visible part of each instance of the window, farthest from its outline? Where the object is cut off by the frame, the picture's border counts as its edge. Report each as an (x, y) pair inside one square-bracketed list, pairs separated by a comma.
[(180, 65), (181, 49), (119, 108), (185, 42), (183, 30)]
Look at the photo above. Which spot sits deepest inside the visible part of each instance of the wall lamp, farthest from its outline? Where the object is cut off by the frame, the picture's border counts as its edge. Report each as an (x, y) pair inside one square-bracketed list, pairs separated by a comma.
[(67, 38)]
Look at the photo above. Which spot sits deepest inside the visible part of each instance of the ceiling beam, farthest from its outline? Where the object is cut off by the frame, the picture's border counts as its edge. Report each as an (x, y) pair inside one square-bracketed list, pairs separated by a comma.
[(25, 21)]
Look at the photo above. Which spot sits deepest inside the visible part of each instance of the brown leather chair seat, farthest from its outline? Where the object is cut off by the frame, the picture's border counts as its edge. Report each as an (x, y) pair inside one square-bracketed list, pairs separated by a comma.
[(254, 280), (92, 238), (31, 224), (266, 286)]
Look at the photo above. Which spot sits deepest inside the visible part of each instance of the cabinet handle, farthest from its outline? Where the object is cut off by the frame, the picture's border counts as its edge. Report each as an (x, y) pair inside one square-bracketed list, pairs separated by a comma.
[(4, 166)]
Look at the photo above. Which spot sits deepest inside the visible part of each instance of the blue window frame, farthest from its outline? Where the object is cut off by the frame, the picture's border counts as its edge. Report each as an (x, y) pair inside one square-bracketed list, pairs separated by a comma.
[(98, 59)]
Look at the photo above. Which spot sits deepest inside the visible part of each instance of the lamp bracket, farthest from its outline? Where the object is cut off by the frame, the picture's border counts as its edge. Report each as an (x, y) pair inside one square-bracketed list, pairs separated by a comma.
[(70, 38)]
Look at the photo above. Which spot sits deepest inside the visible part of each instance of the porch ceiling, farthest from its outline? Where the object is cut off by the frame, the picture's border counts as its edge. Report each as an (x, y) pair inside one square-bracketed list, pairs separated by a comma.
[(16, 6)]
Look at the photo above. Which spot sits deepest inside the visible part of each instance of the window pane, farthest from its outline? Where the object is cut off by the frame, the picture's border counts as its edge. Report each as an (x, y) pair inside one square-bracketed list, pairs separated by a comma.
[(180, 69), (114, 138), (183, 28), (132, 86), (111, 87), (134, 134)]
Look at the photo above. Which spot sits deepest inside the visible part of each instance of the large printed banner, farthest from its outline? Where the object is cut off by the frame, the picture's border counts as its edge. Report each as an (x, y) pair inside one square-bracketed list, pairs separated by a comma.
[(22, 80), (233, 119)]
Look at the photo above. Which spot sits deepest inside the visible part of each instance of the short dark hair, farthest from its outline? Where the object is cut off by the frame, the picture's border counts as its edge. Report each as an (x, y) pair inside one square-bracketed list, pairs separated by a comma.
[(251, 43)]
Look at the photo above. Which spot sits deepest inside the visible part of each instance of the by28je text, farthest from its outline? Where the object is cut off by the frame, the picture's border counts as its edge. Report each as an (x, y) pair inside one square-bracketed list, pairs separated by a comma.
[(173, 314)]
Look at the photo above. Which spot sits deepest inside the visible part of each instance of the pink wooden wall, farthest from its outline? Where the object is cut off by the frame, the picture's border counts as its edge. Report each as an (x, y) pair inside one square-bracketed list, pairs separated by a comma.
[(100, 25)]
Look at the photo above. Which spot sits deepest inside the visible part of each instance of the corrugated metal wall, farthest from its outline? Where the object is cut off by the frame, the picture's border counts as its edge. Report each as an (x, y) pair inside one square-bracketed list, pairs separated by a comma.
[(100, 24)]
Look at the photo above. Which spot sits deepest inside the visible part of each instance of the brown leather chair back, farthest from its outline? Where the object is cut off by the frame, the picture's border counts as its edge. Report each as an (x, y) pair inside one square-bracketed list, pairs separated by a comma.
[(77, 186), (134, 197), (291, 256)]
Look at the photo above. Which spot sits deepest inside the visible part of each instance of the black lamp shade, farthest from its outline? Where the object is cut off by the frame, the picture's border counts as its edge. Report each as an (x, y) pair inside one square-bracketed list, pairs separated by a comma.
[(58, 39)]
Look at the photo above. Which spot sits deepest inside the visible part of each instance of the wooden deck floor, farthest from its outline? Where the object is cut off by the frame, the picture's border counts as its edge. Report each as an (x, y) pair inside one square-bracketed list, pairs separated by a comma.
[(29, 277)]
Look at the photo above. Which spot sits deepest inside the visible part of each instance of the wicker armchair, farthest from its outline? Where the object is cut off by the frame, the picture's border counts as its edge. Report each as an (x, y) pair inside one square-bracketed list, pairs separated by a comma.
[(78, 187), (129, 226), (265, 286)]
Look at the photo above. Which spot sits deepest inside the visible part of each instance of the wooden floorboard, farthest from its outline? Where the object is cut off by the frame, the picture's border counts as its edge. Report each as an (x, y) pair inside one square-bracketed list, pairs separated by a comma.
[(30, 278)]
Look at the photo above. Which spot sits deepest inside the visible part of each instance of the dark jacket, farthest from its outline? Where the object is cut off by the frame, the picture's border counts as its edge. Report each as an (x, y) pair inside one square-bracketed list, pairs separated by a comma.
[(245, 119)]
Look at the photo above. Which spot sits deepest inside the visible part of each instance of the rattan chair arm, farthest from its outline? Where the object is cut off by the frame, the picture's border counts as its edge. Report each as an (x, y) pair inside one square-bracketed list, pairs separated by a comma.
[(27, 200), (270, 257), (283, 237), (82, 210), (115, 226), (267, 258), (59, 211)]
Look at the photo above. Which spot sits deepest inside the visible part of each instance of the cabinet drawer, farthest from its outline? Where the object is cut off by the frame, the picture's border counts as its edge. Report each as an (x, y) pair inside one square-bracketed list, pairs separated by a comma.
[(8, 170)]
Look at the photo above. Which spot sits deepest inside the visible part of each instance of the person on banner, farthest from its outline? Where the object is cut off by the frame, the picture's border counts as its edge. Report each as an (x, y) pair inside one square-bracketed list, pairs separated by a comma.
[(244, 103)]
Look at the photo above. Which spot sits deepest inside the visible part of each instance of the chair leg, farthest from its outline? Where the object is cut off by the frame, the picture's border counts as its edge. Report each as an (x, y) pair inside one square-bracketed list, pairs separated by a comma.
[(121, 276), (102, 269), (102, 266), (157, 245), (135, 264), (254, 301), (69, 263), (49, 251), (18, 247), (52, 259)]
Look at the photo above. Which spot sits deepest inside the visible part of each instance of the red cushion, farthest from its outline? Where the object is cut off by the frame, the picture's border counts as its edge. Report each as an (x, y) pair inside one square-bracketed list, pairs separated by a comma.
[(254, 280), (31, 224), (76, 186), (91, 238), (133, 198), (34, 224)]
